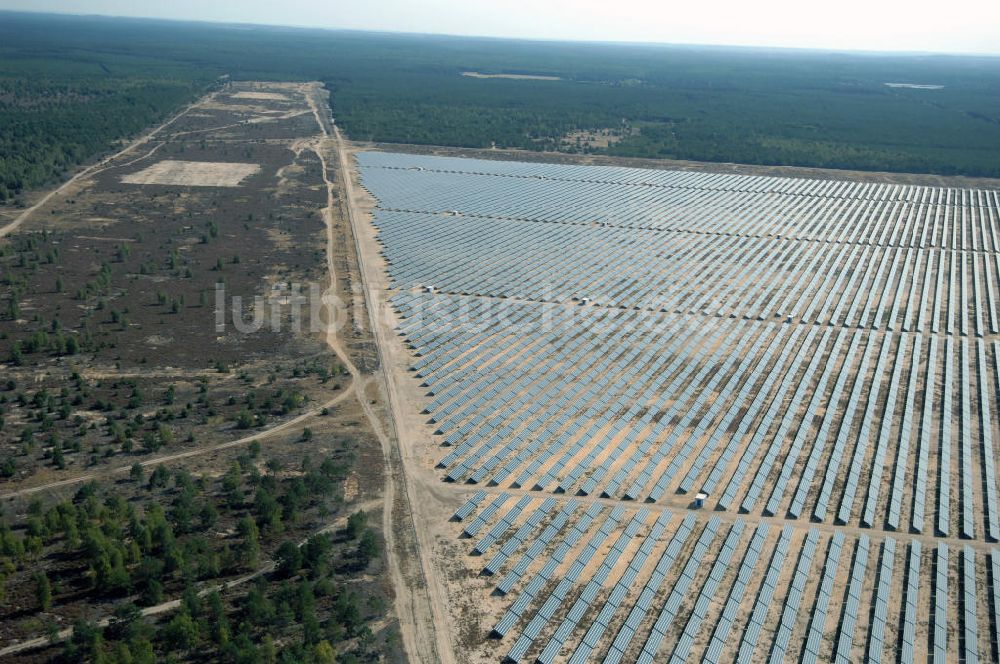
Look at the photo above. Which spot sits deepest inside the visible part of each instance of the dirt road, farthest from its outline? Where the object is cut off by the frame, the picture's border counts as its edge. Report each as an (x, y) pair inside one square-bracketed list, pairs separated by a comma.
[(427, 637), (155, 461), (417, 610)]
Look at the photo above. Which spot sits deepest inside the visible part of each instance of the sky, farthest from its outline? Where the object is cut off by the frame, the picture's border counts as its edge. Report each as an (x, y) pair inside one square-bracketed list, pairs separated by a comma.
[(956, 26)]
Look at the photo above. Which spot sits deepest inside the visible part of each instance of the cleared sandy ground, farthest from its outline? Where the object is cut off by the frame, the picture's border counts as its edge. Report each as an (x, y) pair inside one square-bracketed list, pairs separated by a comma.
[(193, 173), (274, 96)]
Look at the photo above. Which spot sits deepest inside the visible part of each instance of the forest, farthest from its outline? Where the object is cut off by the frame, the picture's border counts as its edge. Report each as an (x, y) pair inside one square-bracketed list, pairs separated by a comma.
[(122, 544), (70, 87)]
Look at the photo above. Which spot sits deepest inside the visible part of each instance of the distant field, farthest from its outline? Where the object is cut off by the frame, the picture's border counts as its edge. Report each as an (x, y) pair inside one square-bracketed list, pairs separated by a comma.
[(513, 77), (71, 86)]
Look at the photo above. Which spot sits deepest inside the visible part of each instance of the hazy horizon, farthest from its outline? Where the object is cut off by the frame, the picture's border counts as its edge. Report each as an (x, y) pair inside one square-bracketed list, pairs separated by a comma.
[(968, 28)]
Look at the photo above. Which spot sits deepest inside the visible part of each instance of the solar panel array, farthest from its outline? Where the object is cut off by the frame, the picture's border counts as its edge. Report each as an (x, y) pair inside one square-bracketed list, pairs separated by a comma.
[(647, 584), (633, 405), (803, 351)]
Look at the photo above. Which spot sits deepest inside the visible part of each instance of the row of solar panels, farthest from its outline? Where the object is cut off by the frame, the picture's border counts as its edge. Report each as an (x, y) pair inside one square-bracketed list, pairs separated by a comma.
[(966, 477), (614, 174), (647, 290), (970, 626), (906, 427), (542, 577), (607, 409), (972, 201), (939, 616), (707, 595), (512, 577), (764, 374), (789, 383), (943, 525), (684, 179), (558, 595), (678, 593), (780, 436), (760, 278), (886, 376), (852, 602), (718, 213), (622, 589), (793, 601), (588, 596), (493, 238), (562, 418), (501, 526)]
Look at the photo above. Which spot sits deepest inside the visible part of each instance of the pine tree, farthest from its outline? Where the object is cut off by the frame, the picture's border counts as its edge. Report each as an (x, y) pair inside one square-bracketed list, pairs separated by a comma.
[(43, 591), (249, 548)]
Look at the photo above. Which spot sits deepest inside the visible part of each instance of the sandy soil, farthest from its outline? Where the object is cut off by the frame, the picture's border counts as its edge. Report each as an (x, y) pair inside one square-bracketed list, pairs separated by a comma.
[(421, 601)]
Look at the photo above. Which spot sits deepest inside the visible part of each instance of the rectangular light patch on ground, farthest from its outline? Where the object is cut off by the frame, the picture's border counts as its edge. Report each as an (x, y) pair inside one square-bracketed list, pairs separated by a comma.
[(193, 173), (267, 96)]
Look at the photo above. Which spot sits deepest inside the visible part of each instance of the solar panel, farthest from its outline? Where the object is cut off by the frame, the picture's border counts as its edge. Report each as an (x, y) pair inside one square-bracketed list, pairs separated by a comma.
[(814, 639), (793, 599), (759, 613), (876, 643), (969, 604), (939, 612), (467, 509), (706, 596)]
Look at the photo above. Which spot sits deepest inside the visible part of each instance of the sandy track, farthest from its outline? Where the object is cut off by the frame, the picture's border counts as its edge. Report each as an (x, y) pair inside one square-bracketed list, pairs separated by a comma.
[(422, 602), (155, 461), (418, 612)]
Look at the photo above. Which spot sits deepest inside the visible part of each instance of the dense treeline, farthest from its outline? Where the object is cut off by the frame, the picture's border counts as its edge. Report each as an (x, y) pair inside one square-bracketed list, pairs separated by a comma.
[(714, 104), (710, 105)]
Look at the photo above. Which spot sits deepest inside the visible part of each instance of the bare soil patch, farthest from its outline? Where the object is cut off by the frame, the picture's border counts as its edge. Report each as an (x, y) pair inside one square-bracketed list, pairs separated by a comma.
[(517, 77), (595, 138), (260, 95), (193, 173)]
